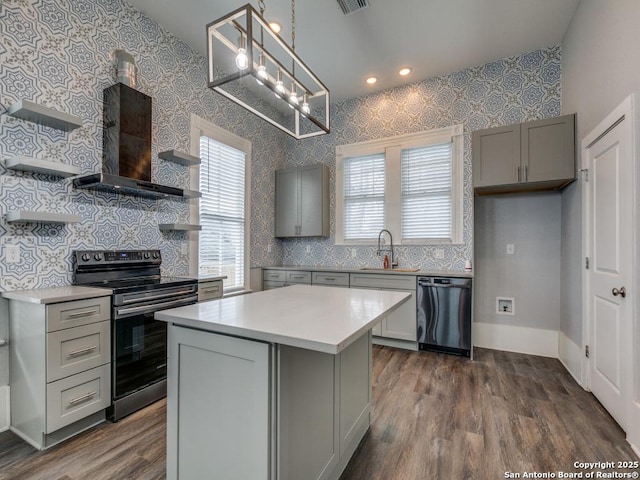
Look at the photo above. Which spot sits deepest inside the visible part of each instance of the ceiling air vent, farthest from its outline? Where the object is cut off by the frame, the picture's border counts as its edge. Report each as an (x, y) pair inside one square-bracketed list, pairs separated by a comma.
[(350, 6)]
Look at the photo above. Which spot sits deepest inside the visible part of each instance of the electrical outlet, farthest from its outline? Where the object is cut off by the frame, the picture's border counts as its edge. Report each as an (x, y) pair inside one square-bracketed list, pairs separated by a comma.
[(511, 249), (439, 254), (12, 253), (308, 249), (269, 248), (354, 253)]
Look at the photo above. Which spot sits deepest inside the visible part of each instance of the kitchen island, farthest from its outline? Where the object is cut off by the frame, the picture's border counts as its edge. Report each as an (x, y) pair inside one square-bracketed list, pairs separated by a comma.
[(274, 385)]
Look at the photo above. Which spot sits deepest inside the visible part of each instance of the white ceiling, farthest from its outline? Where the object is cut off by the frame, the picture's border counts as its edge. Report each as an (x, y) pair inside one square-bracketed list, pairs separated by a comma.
[(433, 37)]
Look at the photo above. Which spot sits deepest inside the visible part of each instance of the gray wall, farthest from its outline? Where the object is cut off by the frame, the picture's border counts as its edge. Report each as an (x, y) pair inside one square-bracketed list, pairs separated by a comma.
[(600, 68), (532, 223)]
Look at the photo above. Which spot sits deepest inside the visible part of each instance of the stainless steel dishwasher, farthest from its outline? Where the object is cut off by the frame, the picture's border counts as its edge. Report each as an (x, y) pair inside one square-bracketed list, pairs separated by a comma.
[(444, 315)]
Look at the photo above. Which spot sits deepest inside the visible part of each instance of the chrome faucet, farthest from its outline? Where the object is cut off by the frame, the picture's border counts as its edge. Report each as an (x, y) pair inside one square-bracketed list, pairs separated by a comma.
[(392, 263)]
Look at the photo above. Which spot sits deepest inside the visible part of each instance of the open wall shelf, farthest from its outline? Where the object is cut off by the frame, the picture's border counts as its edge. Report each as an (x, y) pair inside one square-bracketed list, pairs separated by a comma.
[(27, 216), (49, 117), (183, 227), (179, 157), (37, 165)]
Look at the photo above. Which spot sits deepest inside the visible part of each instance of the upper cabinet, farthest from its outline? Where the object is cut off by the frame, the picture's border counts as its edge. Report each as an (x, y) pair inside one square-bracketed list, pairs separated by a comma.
[(302, 201), (531, 156)]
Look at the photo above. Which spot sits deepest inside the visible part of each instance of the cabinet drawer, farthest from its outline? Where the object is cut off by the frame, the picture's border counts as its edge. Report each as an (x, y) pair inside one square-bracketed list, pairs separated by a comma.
[(73, 398), (392, 281), (209, 290), (330, 278), (298, 277), (274, 275), (74, 350), (76, 313)]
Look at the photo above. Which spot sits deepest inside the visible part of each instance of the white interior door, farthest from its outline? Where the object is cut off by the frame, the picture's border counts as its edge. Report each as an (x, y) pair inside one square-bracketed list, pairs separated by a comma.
[(609, 232)]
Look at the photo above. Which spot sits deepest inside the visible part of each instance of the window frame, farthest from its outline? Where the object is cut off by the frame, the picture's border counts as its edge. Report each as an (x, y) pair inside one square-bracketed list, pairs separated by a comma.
[(392, 148), (199, 127)]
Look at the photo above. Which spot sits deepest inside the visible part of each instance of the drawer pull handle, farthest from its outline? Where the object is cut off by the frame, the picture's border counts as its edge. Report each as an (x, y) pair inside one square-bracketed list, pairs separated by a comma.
[(330, 279), (86, 313), (297, 276), (210, 290), (82, 351), (83, 398)]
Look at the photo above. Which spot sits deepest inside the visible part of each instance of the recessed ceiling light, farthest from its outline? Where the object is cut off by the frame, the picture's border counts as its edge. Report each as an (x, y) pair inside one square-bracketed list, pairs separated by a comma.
[(275, 26), (404, 71), (372, 80)]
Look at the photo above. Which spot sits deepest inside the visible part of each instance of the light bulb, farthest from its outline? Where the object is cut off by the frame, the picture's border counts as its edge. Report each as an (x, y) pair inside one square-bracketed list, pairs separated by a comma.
[(262, 70), (293, 96), (279, 83), (305, 104), (242, 61)]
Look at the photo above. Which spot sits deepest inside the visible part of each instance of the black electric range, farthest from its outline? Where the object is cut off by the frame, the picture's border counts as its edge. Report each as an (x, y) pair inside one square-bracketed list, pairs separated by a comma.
[(138, 341)]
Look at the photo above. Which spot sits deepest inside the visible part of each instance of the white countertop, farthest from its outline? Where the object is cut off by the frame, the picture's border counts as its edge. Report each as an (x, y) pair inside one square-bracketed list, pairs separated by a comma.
[(210, 278), (325, 319), (57, 294), (382, 271)]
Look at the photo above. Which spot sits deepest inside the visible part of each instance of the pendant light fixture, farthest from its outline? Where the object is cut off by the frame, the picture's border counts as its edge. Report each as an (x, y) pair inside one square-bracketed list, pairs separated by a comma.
[(254, 67)]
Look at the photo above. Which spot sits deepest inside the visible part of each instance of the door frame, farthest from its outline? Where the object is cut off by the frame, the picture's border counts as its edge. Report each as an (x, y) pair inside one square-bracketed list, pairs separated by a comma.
[(627, 109)]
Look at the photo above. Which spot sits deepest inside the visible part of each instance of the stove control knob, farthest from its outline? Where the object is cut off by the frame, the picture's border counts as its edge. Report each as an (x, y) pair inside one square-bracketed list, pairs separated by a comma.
[(86, 257), (156, 255), (146, 255), (97, 257)]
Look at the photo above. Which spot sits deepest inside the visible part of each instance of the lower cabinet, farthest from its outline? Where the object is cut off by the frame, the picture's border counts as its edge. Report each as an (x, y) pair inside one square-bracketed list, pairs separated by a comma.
[(330, 279), (401, 323), (282, 278), (60, 368), (209, 290), (248, 409)]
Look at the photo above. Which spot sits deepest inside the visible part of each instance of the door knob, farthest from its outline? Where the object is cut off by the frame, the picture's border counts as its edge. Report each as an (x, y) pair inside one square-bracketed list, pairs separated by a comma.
[(622, 292)]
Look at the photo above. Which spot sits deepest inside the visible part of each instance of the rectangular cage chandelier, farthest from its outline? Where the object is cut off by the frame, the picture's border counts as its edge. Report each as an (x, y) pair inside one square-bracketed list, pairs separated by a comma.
[(252, 66)]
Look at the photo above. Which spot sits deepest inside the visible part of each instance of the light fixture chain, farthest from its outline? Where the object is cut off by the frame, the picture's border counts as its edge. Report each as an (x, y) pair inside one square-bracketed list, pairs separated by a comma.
[(293, 25), (262, 7)]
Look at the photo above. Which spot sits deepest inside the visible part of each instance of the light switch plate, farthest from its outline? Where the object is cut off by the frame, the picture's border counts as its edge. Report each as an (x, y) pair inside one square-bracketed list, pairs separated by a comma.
[(439, 254), (511, 249)]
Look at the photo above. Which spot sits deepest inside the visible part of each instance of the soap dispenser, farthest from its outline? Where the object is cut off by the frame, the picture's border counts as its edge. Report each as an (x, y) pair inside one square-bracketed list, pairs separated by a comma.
[(385, 262)]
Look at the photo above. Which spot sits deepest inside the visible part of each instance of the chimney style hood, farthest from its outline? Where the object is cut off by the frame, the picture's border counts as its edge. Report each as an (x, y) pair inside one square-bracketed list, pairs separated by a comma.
[(126, 148)]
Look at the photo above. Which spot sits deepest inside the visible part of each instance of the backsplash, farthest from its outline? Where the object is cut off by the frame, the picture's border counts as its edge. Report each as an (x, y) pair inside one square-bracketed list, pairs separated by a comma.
[(57, 53), (516, 89)]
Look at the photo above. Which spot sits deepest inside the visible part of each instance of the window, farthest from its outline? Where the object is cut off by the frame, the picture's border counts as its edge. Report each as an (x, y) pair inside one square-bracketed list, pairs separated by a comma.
[(363, 196), (223, 209), (410, 184)]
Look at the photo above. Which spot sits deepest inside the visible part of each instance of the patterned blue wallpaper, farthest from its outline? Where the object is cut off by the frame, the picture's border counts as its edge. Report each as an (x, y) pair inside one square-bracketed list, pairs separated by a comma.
[(521, 88), (56, 52)]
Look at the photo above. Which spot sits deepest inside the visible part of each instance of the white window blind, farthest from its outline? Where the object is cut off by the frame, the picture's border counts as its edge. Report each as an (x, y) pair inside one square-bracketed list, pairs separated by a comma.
[(427, 203), (364, 181), (222, 212)]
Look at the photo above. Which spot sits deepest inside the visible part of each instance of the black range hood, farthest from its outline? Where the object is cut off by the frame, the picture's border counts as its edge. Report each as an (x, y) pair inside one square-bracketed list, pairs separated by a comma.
[(126, 148)]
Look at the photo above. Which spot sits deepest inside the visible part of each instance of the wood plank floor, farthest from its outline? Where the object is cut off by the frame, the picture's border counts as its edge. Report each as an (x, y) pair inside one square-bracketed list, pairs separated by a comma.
[(434, 417)]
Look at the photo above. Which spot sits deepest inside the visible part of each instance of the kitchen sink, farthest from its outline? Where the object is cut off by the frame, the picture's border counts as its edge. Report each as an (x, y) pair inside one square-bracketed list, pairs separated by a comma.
[(390, 269)]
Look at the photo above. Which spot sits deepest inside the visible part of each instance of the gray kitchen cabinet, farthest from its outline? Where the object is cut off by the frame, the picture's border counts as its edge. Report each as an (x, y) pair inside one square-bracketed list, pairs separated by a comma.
[(60, 368), (330, 279), (302, 201), (282, 278), (401, 324), (531, 156), (209, 290)]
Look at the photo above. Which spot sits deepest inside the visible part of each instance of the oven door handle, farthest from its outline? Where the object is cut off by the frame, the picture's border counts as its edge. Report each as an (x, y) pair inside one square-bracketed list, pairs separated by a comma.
[(122, 312), (173, 293)]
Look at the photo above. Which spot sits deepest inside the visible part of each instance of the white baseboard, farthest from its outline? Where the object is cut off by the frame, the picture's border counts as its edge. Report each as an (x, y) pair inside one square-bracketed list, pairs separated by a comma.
[(532, 341), (5, 417), (570, 355)]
